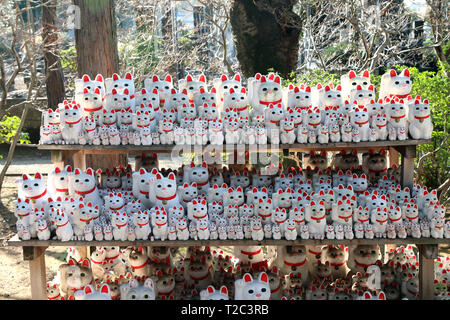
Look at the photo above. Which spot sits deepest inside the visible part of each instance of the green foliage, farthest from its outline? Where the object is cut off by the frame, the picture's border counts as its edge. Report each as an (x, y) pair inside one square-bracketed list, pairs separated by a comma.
[(8, 129), (69, 58), (140, 54), (312, 78)]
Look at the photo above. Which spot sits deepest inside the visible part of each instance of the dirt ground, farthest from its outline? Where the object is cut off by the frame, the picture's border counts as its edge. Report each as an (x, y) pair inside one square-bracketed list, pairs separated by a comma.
[(14, 272)]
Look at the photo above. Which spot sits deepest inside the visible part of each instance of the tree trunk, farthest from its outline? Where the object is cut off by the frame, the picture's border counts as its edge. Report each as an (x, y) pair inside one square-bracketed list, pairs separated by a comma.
[(55, 81), (266, 35), (96, 44), (96, 39)]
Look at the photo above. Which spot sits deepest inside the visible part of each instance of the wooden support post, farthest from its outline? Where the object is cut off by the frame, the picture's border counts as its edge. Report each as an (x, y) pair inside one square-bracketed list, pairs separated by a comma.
[(79, 160), (408, 155), (393, 157), (427, 254), (38, 279)]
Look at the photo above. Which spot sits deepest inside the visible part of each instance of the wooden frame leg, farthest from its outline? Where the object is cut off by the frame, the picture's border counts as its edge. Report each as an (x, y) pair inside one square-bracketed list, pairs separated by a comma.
[(408, 155), (427, 254), (38, 278), (79, 160), (393, 157)]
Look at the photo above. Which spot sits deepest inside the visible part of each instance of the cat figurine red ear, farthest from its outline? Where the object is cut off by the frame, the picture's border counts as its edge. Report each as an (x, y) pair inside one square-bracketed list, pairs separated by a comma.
[(248, 288), (212, 294)]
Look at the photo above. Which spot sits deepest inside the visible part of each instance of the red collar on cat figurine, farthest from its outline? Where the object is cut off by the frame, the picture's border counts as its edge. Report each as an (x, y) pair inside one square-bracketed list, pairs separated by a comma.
[(266, 103), (338, 264), (92, 110), (400, 96), (118, 208), (276, 289), (75, 122), (142, 265), (200, 278), (248, 253), (57, 297), (362, 264), (201, 184), (295, 264), (168, 198), (38, 196), (85, 192), (166, 293)]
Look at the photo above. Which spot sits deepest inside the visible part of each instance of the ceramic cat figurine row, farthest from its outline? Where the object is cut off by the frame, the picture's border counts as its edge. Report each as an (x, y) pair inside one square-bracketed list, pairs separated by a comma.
[(333, 272), (196, 202), (111, 111)]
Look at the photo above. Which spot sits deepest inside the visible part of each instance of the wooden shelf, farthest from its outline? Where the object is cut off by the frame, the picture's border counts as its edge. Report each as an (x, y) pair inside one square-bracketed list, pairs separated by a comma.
[(16, 242), (91, 149)]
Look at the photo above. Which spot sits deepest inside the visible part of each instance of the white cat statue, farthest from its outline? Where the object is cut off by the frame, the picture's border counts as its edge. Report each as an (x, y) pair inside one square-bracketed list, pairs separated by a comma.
[(351, 81), (248, 288), (359, 118), (64, 231), (142, 224), (266, 91), (46, 135), (71, 125), (33, 189), (160, 225), (90, 293), (163, 86), (315, 216), (120, 226), (287, 135), (163, 191), (84, 184), (420, 126), (395, 85)]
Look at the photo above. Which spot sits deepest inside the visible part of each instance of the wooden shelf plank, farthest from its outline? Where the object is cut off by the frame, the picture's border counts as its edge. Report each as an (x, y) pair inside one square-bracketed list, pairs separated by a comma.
[(16, 242), (90, 149)]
